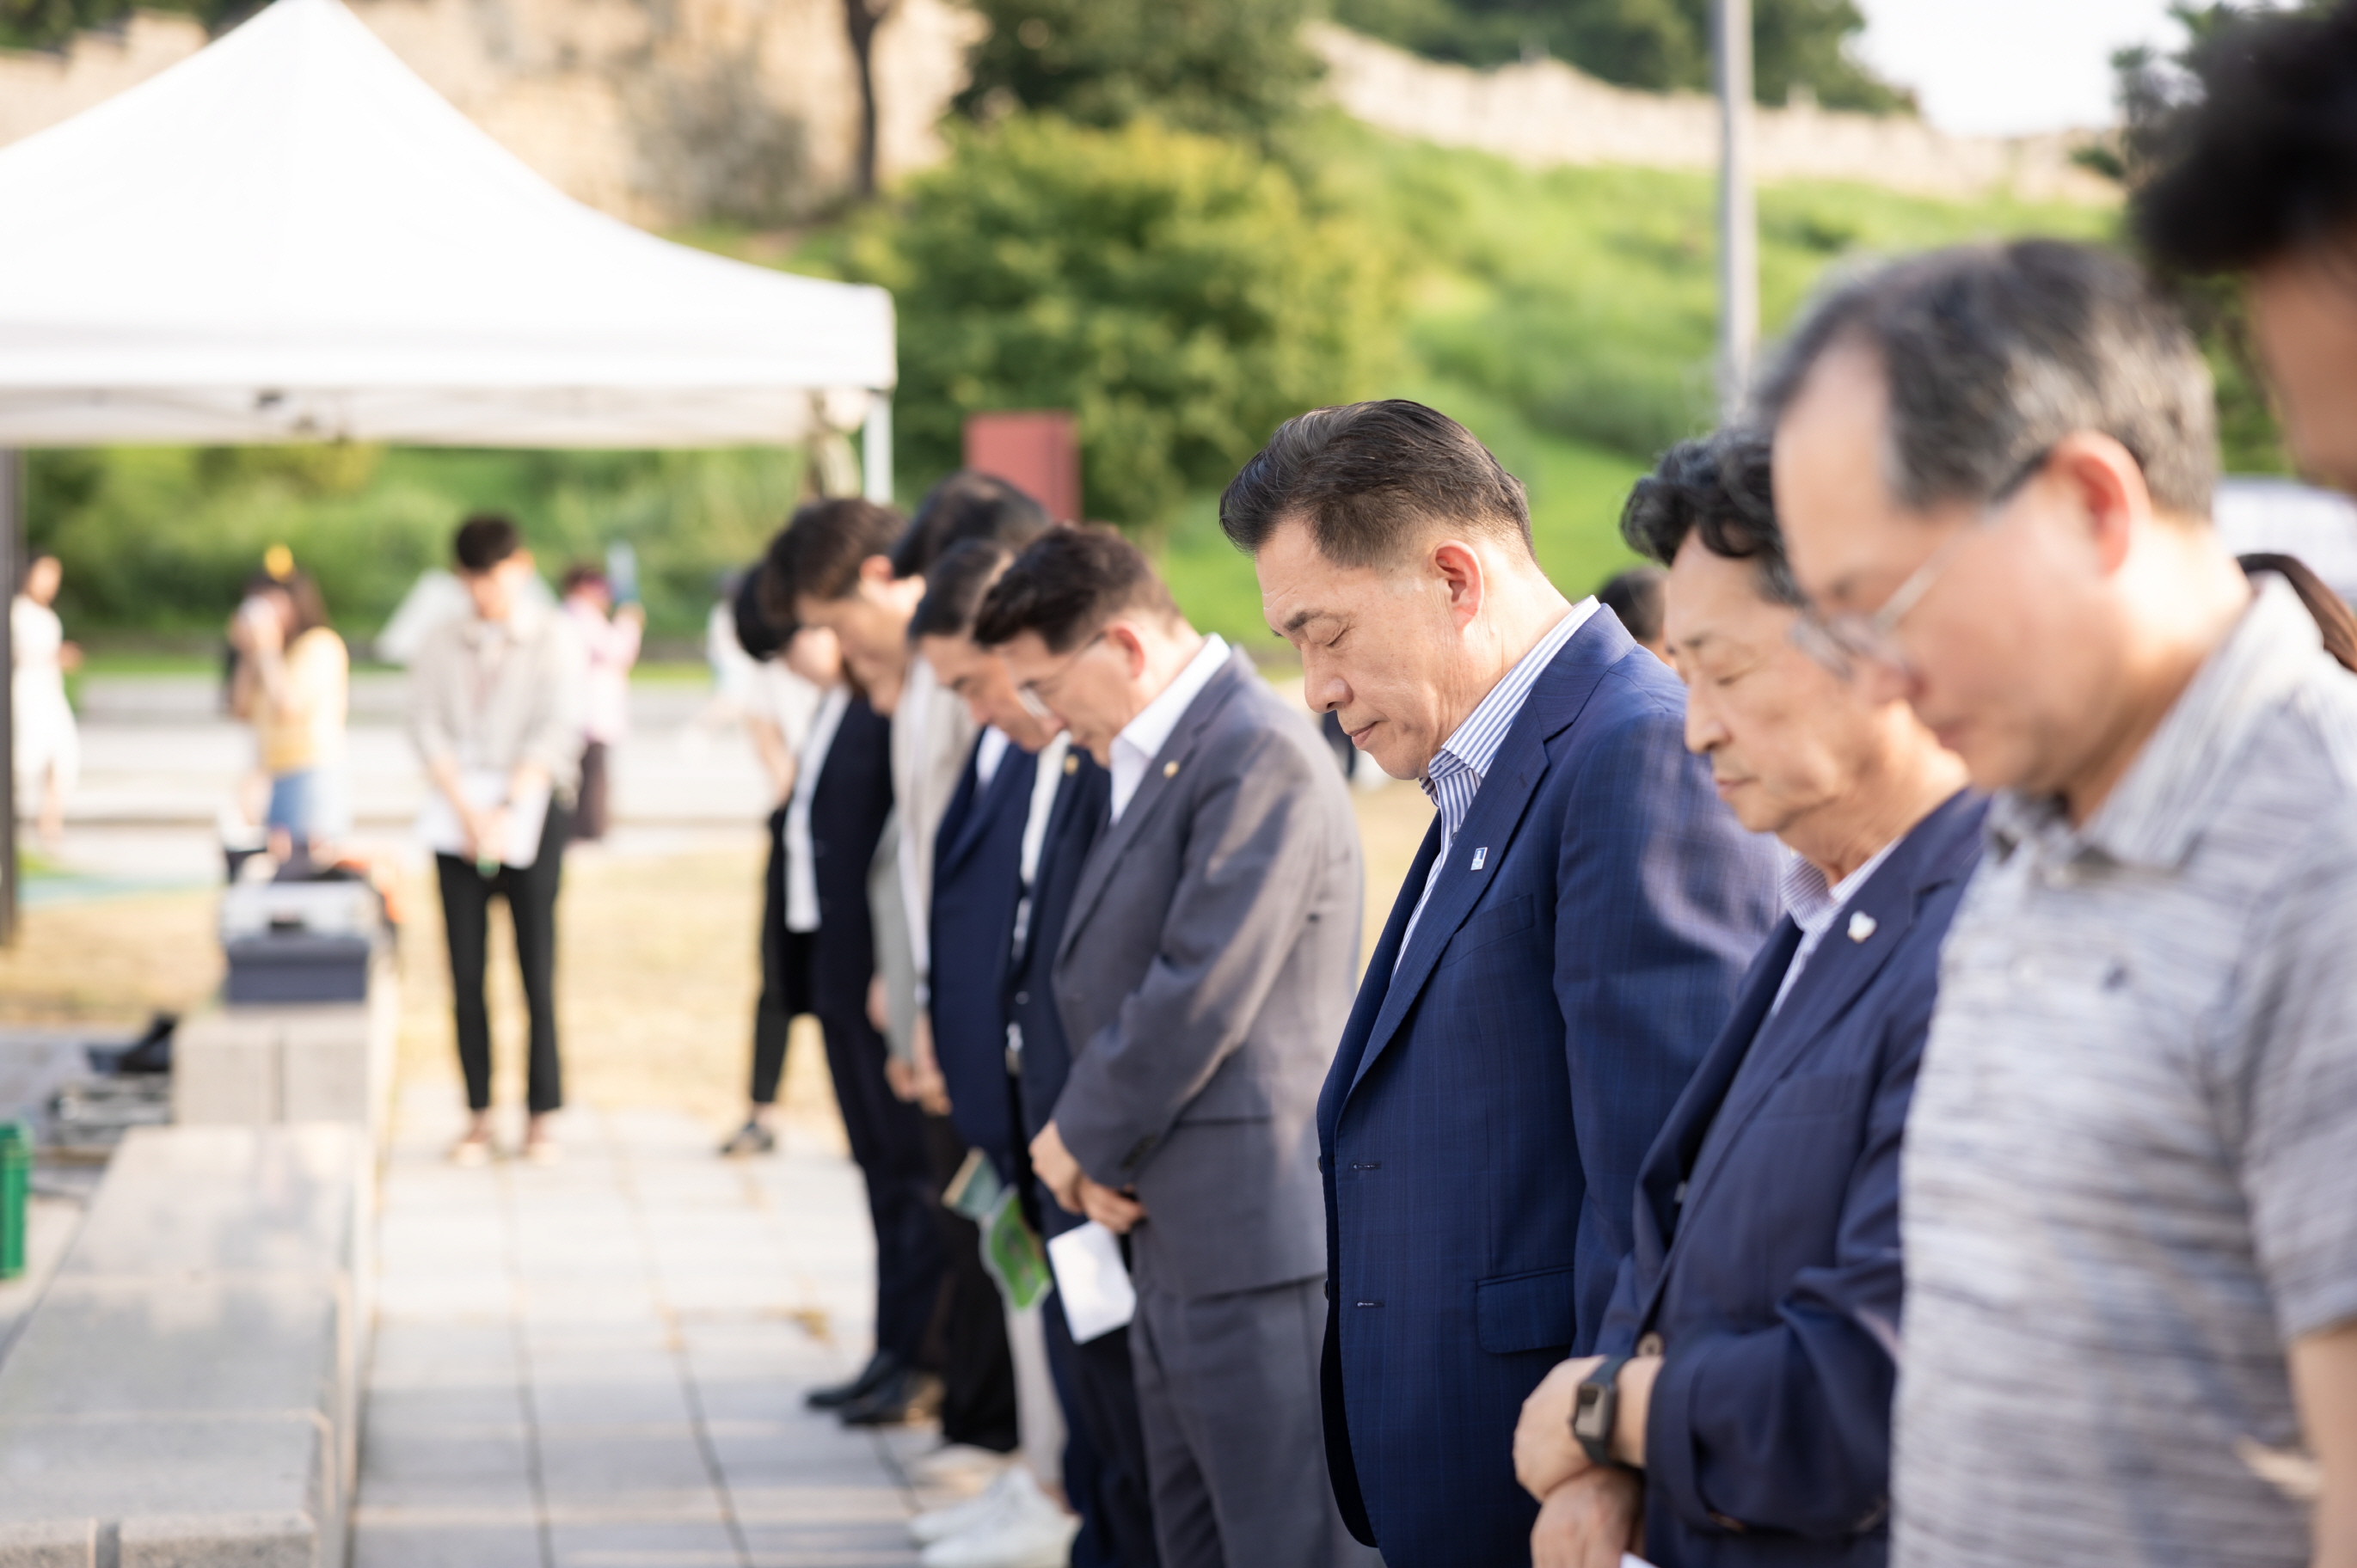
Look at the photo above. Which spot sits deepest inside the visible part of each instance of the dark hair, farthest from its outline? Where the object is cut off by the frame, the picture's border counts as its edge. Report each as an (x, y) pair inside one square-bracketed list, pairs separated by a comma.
[(310, 607), (1066, 586), (818, 553), (1992, 353), (758, 633), (955, 588), (2334, 621), (1719, 486), (1368, 477), (1635, 595), (581, 575), (966, 505), (2264, 158), (484, 541)]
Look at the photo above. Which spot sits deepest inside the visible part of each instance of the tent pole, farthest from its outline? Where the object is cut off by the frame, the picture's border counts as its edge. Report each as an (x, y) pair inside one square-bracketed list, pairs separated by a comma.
[(11, 567), (876, 449)]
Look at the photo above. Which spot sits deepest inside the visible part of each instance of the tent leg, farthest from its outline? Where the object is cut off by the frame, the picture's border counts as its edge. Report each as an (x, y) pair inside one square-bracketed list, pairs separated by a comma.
[(11, 567), (876, 449)]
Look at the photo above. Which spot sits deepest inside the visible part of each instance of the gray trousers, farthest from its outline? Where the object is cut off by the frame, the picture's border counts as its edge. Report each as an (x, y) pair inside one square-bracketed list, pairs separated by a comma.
[(1227, 1391)]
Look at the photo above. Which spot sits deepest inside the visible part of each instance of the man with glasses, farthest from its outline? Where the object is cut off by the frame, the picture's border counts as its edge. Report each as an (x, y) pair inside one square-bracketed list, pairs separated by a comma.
[(1739, 1404), (2130, 1212), (1202, 975)]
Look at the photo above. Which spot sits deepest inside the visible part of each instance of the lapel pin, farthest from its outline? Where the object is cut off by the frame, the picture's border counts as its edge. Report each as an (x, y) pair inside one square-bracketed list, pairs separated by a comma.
[(1170, 770), (1072, 763), (1861, 926), (1480, 855)]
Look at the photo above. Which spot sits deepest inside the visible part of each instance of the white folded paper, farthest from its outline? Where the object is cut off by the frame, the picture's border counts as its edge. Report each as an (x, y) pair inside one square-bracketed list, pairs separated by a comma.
[(1092, 1280), (444, 834)]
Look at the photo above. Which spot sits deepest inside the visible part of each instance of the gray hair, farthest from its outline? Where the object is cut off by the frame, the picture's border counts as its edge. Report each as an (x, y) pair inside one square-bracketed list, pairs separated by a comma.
[(1992, 353)]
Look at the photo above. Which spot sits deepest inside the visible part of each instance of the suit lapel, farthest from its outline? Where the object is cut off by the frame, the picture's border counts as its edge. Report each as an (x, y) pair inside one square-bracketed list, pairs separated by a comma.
[(1156, 788), (1706, 1093), (1497, 815), (1374, 988), (968, 816), (1843, 966)]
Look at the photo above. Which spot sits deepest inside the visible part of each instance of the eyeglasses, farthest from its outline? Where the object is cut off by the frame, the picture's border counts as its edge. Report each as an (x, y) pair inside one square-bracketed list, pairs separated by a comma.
[(1034, 695), (1843, 642)]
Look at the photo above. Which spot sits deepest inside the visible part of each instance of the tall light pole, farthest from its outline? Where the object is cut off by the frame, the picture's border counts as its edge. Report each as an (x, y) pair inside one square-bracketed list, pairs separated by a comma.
[(1739, 220)]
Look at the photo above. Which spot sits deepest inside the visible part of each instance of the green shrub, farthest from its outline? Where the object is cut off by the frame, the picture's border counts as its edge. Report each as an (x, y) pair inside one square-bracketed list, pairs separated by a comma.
[(1171, 290)]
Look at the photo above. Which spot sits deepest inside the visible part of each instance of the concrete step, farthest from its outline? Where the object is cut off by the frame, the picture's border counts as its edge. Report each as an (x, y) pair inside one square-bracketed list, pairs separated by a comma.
[(187, 1391)]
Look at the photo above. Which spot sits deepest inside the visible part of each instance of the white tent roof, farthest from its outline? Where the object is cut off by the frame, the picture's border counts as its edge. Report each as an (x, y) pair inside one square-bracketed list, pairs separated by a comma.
[(289, 236)]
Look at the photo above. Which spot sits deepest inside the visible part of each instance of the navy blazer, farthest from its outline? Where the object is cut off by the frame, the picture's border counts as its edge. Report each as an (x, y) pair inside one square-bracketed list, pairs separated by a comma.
[(1767, 1227), (1084, 801), (850, 804), (977, 868), (1482, 1127)]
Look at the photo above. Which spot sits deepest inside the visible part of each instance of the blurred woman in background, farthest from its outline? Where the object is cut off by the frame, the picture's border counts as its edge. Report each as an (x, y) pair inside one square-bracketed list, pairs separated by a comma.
[(47, 747), (293, 685)]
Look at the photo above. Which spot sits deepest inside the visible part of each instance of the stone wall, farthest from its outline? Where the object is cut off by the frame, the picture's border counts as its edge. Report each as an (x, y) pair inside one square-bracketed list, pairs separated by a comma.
[(668, 112), (1545, 112), (662, 112)]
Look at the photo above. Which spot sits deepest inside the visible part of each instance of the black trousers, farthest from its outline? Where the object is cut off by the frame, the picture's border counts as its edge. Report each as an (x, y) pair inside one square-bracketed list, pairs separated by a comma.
[(590, 806), (531, 895), (969, 1338), (785, 972), (888, 1144), (1101, 1399)]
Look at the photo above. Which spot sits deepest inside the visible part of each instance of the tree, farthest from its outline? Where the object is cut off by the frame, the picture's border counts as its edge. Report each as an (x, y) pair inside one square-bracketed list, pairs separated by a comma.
[(50, 23), (1658, 45), (861, 18), (1172, 290), (1219, 66)]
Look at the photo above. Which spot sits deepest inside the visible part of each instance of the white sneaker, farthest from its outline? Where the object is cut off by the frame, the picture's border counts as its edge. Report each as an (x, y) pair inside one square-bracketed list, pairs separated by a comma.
[(939, 1524), (1028, 1532), (959, 1467)]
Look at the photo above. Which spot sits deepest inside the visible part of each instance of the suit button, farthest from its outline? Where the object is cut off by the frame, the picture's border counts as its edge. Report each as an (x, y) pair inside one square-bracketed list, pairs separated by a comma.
[(1651, 1345), (1023, 999)]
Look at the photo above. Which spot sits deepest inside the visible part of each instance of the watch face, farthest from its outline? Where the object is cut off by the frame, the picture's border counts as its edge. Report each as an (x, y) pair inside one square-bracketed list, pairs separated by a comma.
[(1584, 1411)]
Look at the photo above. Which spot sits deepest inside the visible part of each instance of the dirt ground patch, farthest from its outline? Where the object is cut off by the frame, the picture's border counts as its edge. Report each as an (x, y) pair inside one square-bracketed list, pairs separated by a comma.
[(656, 973)]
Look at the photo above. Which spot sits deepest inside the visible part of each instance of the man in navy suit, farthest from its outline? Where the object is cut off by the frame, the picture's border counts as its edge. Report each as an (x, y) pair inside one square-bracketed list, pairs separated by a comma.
[(1564, 947), (1741, 1402)]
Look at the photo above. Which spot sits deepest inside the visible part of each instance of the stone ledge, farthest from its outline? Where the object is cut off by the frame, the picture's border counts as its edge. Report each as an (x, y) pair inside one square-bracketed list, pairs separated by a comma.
[(185, 1394)]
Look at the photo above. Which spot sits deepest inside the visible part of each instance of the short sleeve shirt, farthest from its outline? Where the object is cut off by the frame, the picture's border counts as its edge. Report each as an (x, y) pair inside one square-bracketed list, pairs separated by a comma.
[(2131, 1168)]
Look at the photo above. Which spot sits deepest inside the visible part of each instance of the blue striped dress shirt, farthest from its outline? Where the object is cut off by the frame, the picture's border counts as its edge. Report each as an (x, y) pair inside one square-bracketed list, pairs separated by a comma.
[(1454, 776)]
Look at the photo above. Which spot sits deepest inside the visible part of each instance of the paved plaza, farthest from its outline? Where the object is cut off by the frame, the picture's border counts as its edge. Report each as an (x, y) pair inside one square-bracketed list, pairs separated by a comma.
[(600, 1364)]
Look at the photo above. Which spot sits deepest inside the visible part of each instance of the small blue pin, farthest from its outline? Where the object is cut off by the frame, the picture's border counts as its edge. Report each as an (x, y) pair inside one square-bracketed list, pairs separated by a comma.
[(1480, 856)]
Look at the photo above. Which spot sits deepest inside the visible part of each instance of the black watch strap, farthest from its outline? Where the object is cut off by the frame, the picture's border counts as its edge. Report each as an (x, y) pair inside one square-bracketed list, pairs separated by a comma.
[(1595, 1411)]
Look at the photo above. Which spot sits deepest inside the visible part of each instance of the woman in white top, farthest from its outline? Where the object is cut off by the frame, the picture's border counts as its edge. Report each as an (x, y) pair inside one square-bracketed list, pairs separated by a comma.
[(47, 747)]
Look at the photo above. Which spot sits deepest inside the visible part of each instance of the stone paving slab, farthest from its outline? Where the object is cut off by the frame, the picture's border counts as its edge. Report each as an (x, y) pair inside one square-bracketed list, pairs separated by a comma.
[(601, 1364)]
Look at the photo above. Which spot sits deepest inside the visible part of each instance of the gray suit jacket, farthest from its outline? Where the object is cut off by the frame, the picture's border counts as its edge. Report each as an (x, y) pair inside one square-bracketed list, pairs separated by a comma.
[(1205, 974)]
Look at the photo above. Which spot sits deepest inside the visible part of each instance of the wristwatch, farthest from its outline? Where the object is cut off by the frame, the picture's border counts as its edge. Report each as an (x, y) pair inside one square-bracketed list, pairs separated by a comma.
[(1595, 1411)]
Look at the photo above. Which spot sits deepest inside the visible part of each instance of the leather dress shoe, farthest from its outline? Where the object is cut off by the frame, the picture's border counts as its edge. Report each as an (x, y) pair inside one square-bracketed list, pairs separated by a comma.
[(834, 1396), (907, 1395)]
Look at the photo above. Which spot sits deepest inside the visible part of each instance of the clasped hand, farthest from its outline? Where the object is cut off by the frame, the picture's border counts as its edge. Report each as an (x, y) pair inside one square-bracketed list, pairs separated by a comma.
[(1062, 1174)]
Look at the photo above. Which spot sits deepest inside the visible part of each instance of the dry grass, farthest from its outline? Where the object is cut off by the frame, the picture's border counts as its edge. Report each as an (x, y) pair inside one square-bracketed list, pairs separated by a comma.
[(656, 973)]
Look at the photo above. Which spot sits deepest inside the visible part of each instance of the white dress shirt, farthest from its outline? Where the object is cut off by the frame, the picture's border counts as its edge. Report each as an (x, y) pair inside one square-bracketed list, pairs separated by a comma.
[(987, 753), (802, 876), (1141, 740), (1454, 775), (1814, 905), (1048, 776)]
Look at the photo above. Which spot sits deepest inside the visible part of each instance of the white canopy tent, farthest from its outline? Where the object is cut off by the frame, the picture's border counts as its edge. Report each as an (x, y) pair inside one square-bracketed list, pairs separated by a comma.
[(290, 237)]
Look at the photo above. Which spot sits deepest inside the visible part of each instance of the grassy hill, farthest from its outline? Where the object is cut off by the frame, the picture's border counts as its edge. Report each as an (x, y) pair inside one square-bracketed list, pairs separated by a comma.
[(1566, 316)]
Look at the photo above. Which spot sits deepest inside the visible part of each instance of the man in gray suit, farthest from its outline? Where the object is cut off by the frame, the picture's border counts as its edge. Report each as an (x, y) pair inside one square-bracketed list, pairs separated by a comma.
[(1205, 972)]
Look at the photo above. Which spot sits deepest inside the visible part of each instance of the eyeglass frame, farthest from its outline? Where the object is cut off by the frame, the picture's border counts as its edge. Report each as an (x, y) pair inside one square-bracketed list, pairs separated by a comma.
[(1032, 695), (1841, 641)]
